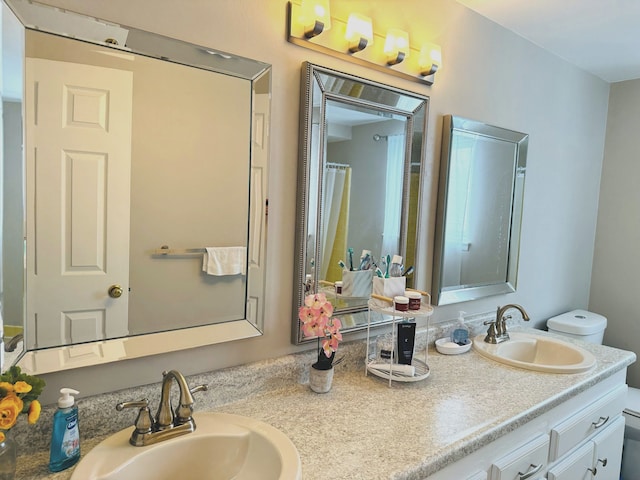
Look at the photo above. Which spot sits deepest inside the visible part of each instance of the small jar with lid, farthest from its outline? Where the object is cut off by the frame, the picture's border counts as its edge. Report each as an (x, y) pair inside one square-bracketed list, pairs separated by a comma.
[(338, 286), (415, 299), (401, 303)]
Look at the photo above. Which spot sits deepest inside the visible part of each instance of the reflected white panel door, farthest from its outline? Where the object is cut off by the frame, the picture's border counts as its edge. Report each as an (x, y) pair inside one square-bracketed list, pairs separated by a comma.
[(78, 132), (256, 252)]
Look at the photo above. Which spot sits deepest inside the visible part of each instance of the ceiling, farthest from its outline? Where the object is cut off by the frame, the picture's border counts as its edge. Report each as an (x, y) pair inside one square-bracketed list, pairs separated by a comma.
[(599, 36)]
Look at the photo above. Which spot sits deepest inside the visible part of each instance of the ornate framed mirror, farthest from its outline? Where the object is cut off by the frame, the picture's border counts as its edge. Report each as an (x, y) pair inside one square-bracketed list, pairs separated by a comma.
[(479, 213), (362, 148)]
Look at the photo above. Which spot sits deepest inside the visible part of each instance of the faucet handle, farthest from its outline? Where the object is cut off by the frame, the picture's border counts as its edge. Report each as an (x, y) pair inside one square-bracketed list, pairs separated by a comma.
[(183, 412), (144, 422), (491, 332), (199, 388)]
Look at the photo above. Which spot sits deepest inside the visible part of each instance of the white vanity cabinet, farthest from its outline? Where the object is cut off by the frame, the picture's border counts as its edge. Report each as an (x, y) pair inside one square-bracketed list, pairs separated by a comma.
[(599, 458), (608, 445), (577, 466), (581, 435), (525, 462), (591, 419)]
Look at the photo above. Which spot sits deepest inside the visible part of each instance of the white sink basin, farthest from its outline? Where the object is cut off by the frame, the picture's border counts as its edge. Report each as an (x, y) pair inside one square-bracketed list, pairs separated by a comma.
[(537, 352), (223, 447)]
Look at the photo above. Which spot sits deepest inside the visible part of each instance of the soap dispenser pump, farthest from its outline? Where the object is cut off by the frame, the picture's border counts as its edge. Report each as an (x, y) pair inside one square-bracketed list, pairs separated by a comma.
[(65, 437), (460, 334)]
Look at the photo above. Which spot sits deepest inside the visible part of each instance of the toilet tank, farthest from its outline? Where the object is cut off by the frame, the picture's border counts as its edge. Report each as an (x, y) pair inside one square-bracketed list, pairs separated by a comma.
[(580, 324)]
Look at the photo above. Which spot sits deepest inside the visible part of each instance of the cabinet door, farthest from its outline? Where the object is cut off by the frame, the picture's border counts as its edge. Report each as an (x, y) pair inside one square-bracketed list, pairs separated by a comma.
[(608, 451), (569, 433), (523, 462), (577, 466)]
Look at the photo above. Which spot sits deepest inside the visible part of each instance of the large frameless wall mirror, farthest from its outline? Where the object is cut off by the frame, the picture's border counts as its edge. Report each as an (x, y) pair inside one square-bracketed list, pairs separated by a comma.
[(479, 212), (361, 156), (132, 142)]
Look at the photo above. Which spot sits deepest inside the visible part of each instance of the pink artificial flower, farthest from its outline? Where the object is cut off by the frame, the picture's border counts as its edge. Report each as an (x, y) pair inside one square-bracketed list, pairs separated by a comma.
[(316, 300), (307, 314), (326, 309), (334, 329), (315, 316), (312, 322), (328, 350)]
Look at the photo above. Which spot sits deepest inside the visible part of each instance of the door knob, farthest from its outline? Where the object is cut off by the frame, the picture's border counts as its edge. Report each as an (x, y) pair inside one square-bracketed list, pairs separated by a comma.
[(115, 291)]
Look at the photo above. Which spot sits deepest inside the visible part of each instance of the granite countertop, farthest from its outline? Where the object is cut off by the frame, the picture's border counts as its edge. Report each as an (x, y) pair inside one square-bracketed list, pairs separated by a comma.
[(364, 429)]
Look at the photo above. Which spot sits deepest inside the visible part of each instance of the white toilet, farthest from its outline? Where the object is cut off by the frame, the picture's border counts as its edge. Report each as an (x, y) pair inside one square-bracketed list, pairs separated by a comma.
[(580, 324), (589, 326)]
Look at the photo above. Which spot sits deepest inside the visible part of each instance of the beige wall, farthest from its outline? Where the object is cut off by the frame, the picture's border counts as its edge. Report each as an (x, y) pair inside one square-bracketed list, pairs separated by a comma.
[(489, 74), (616, 263)]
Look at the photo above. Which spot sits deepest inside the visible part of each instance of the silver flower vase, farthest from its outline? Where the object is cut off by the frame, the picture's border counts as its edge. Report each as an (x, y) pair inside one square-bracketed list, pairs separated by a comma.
[(8, 453), (320, 380)]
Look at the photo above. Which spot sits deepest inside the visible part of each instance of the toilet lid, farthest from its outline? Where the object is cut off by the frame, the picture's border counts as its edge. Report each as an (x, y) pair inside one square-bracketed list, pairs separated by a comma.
[(578, 322)]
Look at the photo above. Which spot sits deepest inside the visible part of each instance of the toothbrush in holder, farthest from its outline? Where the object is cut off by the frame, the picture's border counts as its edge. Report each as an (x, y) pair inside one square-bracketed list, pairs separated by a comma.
[(350, 252)]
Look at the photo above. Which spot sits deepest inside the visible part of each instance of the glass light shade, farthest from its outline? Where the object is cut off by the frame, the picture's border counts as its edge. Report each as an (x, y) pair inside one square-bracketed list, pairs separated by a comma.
[(430, 56), (397, 41), (312, 11), (358, 27)]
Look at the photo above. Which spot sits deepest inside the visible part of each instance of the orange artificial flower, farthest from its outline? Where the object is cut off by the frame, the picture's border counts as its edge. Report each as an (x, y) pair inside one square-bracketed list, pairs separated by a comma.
[(22, 387), (10, 408), (34, 412), (6, 386)]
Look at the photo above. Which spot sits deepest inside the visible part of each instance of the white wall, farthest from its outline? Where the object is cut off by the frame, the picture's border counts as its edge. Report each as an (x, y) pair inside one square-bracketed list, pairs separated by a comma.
[(616, 264), (489, 74)]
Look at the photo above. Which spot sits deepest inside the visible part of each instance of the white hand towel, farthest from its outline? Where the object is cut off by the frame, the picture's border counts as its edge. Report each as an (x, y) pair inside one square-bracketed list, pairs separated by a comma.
[(225, 261)]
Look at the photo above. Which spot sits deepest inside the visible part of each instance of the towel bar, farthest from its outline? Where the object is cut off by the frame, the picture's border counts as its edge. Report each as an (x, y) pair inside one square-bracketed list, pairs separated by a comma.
[(165, 250)]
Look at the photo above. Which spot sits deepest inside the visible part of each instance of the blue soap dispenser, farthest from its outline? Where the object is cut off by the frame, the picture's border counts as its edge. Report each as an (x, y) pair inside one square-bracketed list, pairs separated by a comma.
[(460, 334), (65, 438)]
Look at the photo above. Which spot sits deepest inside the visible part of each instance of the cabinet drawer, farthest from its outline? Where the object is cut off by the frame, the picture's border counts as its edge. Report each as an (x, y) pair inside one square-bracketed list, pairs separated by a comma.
[(576, 466), (524, 462), (569, 433)]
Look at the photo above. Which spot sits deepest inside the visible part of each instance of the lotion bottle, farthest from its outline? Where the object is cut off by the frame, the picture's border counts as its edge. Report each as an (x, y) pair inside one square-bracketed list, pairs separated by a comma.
[(65, 437)]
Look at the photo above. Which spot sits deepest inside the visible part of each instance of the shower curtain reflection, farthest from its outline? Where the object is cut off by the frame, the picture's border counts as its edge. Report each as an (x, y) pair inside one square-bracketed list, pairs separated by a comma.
[(393, 195), (337, 188)]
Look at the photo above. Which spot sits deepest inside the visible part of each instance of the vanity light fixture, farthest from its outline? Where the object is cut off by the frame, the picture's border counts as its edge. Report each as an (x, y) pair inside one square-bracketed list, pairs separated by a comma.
[(359, 32), (430, 59), (310, 25), (315, 16), (396, 46)]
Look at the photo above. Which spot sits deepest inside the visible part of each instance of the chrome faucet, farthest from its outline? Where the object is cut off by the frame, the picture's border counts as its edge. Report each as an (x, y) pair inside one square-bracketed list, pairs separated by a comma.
[(11, 345), (497, 331), (167, 423)]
